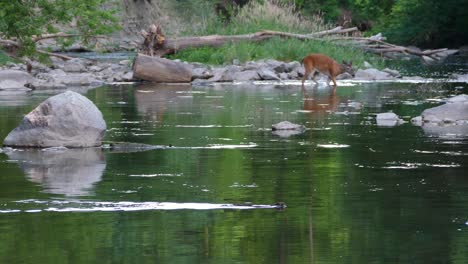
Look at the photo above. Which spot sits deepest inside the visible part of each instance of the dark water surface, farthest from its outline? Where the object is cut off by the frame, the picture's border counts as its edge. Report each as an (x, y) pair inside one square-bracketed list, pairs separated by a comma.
[(356, 192)]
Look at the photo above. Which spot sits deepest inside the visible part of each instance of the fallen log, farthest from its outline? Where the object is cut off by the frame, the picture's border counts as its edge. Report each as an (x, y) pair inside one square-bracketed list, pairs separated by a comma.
[(156, 69), (155, 42), (171, 46)]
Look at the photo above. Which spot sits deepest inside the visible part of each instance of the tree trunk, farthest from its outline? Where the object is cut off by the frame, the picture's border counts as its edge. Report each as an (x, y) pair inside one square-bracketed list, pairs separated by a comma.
[(156, 69)]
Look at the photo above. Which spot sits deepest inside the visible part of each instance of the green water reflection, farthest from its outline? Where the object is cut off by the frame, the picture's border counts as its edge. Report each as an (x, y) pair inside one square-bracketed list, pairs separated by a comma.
[(356, 192)]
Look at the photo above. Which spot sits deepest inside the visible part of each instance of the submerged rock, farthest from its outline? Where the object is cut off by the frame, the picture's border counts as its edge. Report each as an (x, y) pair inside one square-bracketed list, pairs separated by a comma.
[(287, 129), (373, 74), (286, 125), (67, 119), (388, 119), (445, 130), (454, 111), (130, 147), (287, 133), (447, 119)]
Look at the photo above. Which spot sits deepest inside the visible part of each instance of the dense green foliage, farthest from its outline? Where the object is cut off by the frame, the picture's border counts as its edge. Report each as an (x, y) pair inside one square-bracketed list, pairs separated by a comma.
[(428, 23), (22, 20), (431, 23), (406, 22)]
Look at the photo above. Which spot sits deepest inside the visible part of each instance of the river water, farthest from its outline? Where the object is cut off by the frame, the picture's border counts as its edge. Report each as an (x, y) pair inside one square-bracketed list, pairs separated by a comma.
[(355, 192)]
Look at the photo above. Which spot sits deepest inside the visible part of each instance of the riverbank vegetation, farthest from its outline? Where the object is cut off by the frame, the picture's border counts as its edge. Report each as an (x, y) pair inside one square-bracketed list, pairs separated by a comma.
[(24, 23), (268, 15), (407, 22)]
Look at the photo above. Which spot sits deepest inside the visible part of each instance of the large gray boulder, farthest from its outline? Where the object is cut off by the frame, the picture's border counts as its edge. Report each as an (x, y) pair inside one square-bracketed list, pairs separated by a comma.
[(373, 74), (267, 74), (67, 119), (14, 80), (246, 76), (448, 120), (74, 65), (454, 111)]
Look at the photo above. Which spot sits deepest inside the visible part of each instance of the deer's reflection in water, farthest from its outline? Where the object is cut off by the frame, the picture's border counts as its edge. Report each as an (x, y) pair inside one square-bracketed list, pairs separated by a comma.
[(320, 103)]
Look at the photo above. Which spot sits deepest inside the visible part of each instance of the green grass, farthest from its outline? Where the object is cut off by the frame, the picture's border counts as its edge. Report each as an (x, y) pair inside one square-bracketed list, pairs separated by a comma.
[(4, 58), (270, 15), (278, 49)]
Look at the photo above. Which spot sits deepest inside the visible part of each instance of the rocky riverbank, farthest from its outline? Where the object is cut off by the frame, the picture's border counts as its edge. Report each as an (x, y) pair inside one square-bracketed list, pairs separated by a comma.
[(90, 73), (63, 74)]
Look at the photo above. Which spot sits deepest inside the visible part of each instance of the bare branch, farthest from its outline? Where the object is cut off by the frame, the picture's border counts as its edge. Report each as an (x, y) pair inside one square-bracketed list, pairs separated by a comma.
[(61, 35), (7, 42), (63, 57)]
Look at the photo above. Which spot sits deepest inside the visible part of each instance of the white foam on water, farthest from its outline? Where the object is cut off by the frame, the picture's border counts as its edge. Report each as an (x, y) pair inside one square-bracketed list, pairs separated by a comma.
[(190, 92), (237, 185), (333, 145), (145, 91), (222, 146), (401, 167), (9, 211), (408, 165), (454, 153), (142, 134), (224, 139), (90, 206), (156, 175), (212, 126), (449, 153), (127, 122)]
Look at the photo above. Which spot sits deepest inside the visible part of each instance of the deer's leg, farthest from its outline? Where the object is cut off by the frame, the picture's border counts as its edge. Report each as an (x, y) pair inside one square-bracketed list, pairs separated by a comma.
[(334, 81), (314, 75), (306, 76)]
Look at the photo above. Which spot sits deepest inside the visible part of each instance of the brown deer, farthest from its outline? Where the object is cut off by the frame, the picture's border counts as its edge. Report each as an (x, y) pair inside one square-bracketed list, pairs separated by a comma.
[(326, 65)]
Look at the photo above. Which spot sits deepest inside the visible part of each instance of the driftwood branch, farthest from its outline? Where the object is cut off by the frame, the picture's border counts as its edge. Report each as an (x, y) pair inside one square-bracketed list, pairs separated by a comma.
[(335, 31), (60, 56), (383, 48), (52, 36), (7, 42)]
